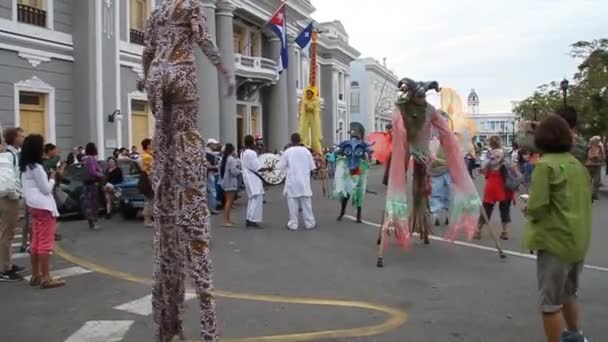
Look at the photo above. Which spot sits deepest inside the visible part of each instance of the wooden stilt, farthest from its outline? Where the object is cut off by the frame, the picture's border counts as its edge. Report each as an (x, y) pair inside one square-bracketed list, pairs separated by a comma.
[(501, 254)]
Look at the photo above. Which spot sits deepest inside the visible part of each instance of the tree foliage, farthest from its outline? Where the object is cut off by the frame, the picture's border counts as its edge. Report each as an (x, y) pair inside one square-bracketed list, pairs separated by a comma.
[(587, 91)]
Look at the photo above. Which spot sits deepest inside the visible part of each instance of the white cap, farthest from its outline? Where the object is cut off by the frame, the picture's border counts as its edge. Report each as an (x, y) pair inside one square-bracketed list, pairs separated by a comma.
[(212, 141)]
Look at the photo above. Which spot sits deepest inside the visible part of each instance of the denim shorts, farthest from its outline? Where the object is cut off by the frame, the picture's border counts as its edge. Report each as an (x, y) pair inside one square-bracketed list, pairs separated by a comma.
[(558, 281)]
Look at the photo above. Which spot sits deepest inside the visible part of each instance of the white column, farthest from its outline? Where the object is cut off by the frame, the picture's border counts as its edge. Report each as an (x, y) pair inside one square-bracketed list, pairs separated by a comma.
[(334, 109), (225, 32), (292, 95), (278, 123), (347, 96), (209, 105)]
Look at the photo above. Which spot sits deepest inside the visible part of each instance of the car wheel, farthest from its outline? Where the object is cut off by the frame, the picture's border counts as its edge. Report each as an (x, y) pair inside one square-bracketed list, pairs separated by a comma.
[(128, 213)]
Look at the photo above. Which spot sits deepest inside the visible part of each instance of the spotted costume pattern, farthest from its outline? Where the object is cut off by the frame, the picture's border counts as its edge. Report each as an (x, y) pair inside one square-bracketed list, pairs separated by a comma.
[(181, 227)]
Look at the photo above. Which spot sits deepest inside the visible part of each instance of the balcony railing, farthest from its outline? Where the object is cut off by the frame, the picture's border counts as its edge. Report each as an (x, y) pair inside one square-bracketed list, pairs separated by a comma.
[(255, 67), (31, 15), (136, 37)]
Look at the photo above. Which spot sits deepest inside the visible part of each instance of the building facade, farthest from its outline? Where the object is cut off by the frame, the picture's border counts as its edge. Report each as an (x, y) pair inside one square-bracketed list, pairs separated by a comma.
[(373, 94), (70, 68), (503, 125)]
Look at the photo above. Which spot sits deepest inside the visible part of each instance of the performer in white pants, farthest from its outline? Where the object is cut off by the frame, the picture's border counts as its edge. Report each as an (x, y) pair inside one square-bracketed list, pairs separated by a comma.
[(250, 165), (298, 163)]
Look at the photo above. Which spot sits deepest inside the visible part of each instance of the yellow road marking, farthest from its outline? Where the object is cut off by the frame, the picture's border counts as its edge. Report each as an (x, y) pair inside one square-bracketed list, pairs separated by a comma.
[(396, 317)]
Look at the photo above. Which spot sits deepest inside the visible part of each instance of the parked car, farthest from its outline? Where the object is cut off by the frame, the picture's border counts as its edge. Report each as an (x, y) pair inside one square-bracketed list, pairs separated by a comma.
[(131, 200), (126, 196)]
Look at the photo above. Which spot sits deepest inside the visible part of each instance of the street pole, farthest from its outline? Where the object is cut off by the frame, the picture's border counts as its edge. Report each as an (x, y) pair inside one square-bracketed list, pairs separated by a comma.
[(564, 87), (513, 136)]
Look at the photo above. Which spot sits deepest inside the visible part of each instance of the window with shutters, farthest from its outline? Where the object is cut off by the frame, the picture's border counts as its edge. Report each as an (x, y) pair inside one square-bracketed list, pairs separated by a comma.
[(355, 97), (139, 11)]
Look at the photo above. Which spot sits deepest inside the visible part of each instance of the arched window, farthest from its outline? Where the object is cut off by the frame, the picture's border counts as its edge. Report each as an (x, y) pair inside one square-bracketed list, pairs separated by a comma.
[(355, 97)]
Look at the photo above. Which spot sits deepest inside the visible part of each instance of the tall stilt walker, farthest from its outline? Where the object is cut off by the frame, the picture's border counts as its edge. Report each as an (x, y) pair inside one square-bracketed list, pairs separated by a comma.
[(179, 178), (412, 122), (309, 120)]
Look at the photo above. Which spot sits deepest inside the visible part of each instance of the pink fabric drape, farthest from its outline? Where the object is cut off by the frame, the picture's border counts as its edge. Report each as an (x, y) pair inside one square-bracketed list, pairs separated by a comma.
[(396, 219), (465, 205)]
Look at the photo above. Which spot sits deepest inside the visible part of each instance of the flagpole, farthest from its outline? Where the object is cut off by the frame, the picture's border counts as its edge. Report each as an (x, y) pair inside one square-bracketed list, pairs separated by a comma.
[(283, 3), (259, 30)]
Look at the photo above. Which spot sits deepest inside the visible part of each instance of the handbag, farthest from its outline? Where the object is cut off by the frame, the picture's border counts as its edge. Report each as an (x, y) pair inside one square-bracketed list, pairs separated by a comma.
[(512, 179)]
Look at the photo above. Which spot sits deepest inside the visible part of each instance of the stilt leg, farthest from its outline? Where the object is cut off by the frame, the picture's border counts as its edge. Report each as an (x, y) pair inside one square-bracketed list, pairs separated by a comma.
[(419, 220), (343, 203), (200, 271), (501, 254), (168, 292)]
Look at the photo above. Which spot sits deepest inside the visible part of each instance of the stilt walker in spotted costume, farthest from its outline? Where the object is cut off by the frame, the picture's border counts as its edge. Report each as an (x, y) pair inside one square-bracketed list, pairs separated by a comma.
[(179, 178), (352, 167)]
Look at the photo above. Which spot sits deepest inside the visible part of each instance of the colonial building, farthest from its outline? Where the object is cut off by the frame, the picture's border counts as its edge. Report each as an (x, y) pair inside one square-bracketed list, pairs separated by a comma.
[(373, 93), (70, 67), (503, 125)]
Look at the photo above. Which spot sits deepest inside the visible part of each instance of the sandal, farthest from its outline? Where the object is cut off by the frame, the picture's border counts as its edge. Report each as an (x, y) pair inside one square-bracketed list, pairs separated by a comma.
[(229, 225), (35, 281), (52, 283), (504, 236)]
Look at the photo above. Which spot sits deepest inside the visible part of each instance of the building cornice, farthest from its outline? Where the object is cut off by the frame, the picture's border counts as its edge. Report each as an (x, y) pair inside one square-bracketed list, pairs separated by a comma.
[(338, 47), (35, 34), (383, 74)]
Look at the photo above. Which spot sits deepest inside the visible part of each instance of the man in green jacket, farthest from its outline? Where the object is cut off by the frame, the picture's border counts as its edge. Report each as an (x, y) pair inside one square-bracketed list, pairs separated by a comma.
[(559, 227)]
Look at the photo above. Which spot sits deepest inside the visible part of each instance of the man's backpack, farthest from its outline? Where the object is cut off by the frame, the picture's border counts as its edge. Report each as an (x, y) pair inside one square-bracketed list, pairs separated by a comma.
[(10, 185)]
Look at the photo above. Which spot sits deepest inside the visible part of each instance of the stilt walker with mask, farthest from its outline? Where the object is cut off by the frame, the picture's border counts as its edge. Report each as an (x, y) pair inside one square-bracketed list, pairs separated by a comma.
[(179, 178), (412, 122), (352, 166)]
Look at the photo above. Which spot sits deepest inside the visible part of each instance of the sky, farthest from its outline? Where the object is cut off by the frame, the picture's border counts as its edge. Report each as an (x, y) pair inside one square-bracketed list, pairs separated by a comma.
[(503, 49)]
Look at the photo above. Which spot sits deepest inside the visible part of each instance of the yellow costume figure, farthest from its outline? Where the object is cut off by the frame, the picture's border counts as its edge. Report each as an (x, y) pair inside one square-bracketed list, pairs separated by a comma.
[(460, 123), (310, 120)]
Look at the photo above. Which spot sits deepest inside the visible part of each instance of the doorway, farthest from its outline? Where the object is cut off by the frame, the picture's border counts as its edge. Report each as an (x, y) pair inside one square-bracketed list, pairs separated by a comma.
[(141, 126), (32, 113)]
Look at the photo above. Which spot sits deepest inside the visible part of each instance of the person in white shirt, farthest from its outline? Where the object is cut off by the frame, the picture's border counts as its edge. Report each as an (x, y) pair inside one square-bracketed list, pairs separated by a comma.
[(298, 163), (38, 193), (250, 165)]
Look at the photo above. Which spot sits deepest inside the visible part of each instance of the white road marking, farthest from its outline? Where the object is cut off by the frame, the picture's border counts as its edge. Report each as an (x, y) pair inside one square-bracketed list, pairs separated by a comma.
[(66, 272), (101, 331), (484, 248), (143, 305), (16, 244)]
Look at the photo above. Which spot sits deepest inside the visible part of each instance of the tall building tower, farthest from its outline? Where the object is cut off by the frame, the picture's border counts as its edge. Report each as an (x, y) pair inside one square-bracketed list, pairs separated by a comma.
[(473, 102)]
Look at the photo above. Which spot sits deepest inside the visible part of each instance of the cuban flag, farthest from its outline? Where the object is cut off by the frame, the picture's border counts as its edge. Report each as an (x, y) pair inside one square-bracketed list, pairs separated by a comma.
[(304, 40), (278, 24)]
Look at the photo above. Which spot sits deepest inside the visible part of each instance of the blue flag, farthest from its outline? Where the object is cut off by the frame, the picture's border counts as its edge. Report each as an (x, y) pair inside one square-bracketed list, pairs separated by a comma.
[(304, 39)]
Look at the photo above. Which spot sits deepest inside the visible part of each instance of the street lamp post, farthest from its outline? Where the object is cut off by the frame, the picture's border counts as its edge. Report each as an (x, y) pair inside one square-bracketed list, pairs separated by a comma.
[(564, 87), (513, 136)]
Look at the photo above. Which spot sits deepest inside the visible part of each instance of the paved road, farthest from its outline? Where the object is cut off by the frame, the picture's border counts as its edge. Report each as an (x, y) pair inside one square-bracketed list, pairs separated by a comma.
[(446, 292)]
